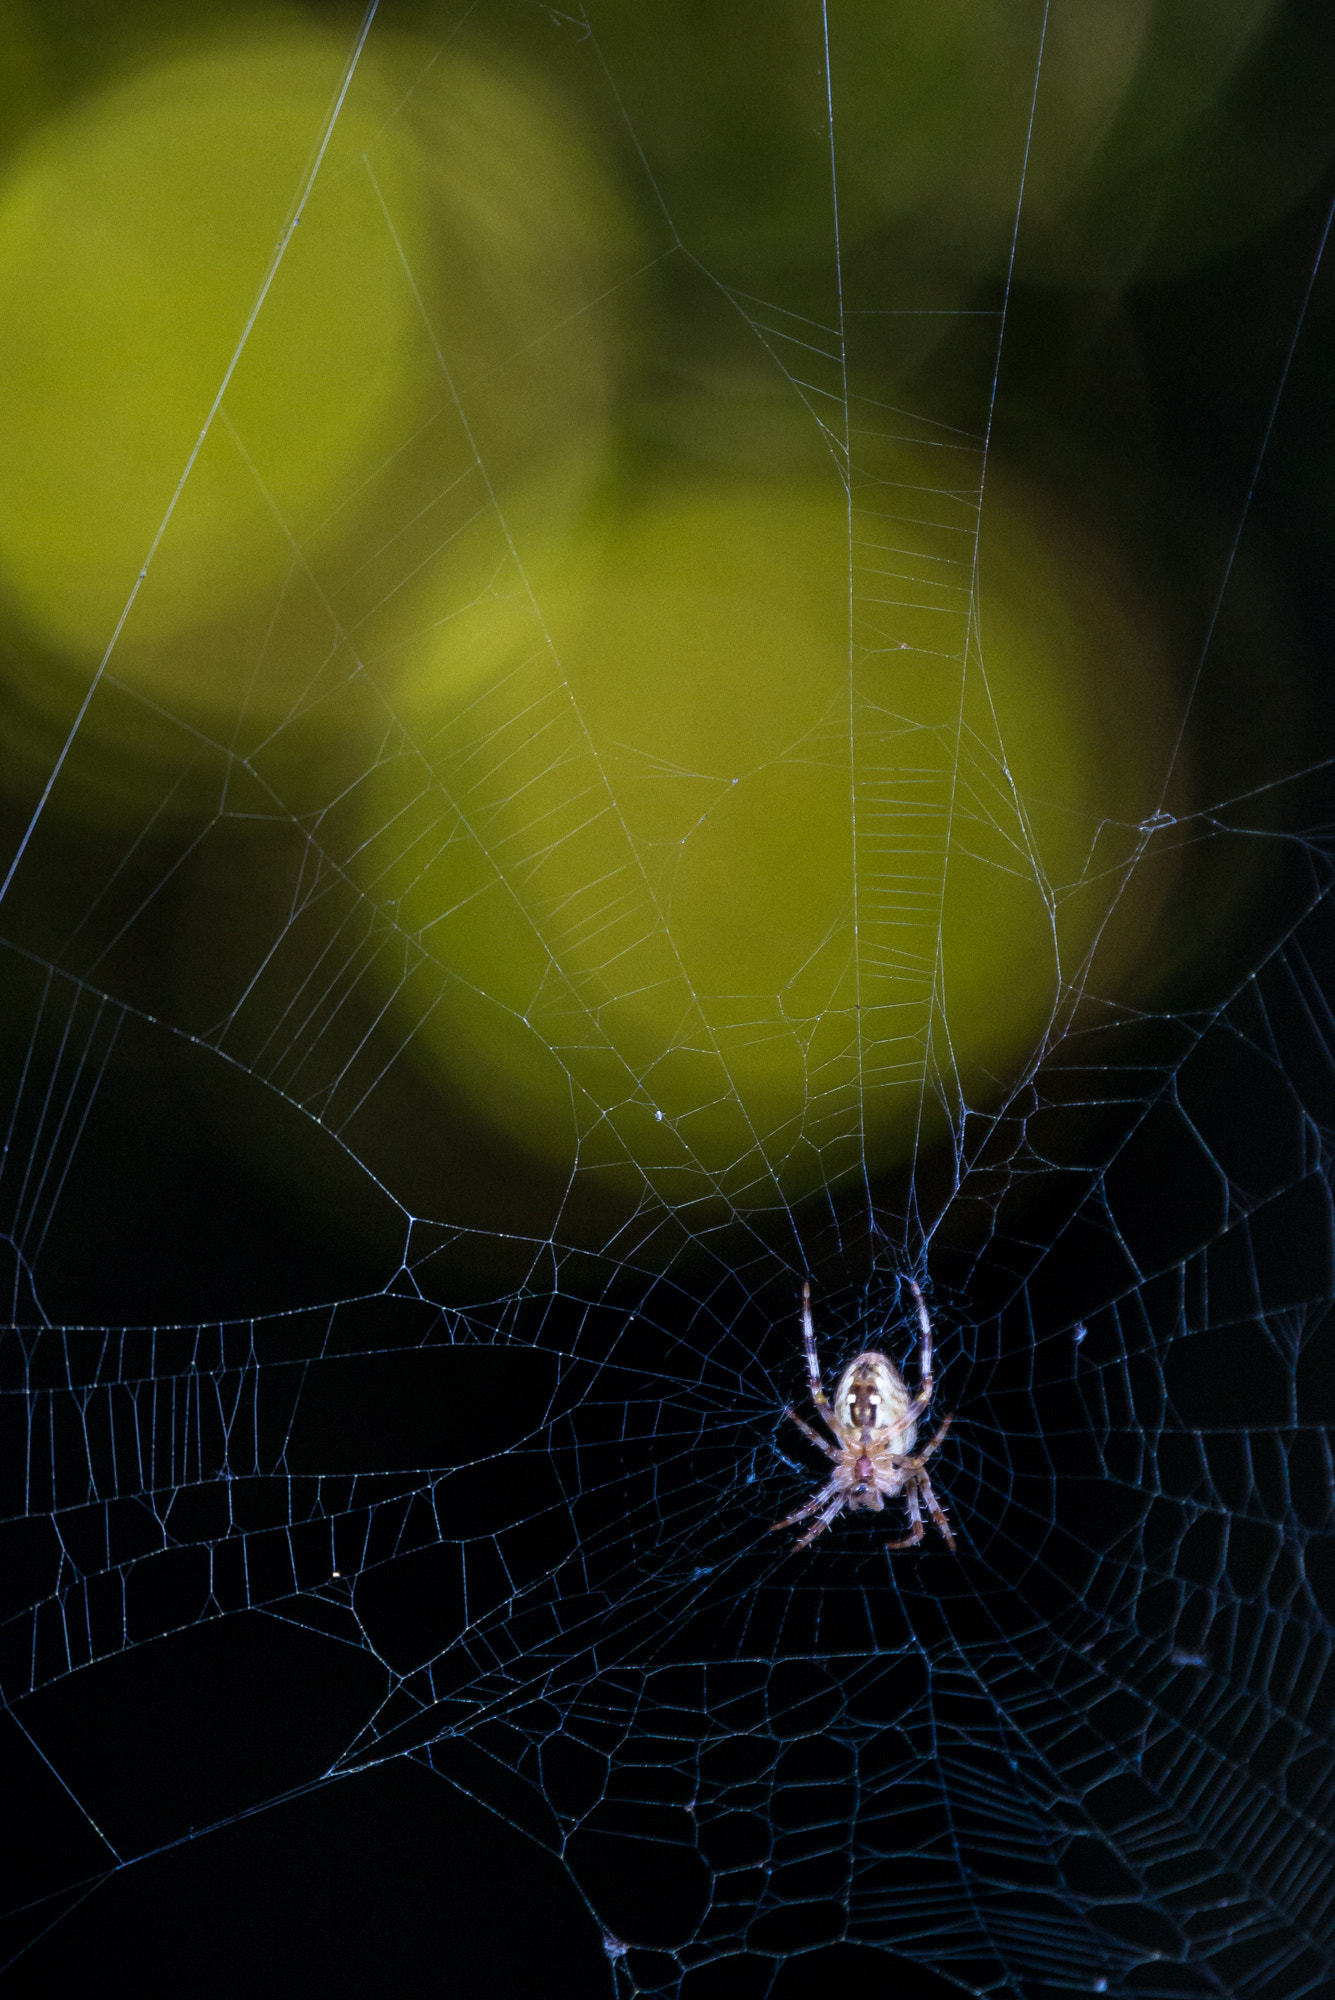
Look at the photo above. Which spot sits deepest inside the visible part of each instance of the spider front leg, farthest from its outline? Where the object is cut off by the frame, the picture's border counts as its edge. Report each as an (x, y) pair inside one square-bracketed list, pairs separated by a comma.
[(926, 1380), (823, 1409)]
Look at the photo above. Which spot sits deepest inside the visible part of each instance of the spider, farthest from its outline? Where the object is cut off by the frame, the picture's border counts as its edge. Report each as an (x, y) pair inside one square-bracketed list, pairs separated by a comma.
[(874, 1423)]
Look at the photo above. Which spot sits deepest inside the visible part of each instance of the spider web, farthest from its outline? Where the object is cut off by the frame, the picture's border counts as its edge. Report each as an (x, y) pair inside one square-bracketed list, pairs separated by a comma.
[(400, 1342)]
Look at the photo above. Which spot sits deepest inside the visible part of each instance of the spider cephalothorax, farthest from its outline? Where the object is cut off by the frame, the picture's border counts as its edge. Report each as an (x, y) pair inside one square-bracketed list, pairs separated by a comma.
[(873, 1419)]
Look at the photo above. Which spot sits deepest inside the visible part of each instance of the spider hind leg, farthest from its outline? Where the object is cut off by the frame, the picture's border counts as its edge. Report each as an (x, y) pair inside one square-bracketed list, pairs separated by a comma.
[(916, 1529), (937, 1513), (819, 1526), (824, 1505)]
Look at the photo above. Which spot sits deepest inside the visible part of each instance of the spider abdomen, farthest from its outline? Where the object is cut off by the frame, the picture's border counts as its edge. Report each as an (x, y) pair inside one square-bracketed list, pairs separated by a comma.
[(873, 1400)]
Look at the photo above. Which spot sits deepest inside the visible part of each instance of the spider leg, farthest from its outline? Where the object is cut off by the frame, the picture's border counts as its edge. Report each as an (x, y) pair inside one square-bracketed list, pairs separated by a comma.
[(926, 1380), (821, 1444), (816, 1502), (921, 1457), (916, 1529), (913, 1461), (934, 1509), (918, 1482), (924, 1321), (822, 1522), (823, 1409), (918, 1407)]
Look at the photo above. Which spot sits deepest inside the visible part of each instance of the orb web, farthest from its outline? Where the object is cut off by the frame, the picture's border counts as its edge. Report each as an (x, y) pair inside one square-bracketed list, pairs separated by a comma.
[(403, 1316)]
